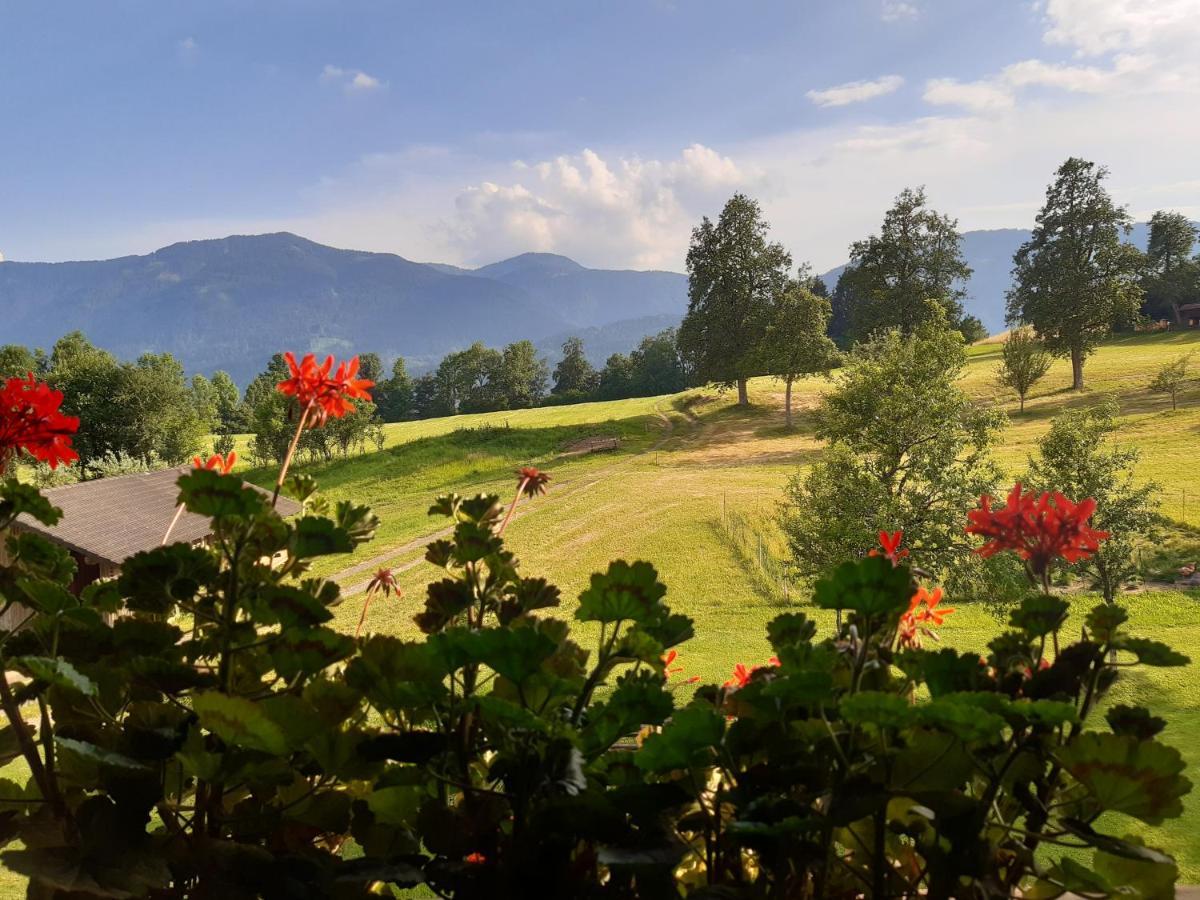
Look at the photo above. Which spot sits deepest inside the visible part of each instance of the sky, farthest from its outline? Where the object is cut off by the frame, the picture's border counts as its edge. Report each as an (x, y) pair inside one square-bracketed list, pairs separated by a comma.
[(467, 132)]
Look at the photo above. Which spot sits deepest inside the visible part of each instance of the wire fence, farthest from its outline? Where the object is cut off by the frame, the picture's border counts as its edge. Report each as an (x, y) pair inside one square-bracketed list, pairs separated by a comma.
[(761, 552)]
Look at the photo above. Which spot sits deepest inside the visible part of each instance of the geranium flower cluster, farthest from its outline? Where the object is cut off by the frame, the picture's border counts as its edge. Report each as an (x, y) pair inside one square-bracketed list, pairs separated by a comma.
[(30, 420), (1039, 529), (321, 390), (924, 608)]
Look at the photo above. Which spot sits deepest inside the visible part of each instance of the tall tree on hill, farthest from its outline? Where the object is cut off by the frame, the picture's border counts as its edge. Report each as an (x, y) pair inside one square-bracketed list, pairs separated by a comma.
[(574, 373), (370, 367), (522, 376), (1172, 276), (229, 398), (917, 256), (395, 395), (204, 400), (656, 366), (1074, 279), (616, 378), (734, 273), (796, 343), (88, 378)]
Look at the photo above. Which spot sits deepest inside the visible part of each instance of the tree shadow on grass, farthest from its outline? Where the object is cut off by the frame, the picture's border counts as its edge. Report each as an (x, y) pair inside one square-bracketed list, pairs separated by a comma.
[(467, 455)]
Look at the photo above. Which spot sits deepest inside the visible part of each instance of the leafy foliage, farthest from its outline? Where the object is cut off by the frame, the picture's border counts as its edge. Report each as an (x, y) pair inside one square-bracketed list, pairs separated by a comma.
[(216, 738)]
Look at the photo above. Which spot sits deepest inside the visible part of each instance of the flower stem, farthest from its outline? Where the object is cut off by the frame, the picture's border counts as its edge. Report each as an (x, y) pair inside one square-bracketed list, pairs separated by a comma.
[(362, 618), (287, 460), (513, 506)]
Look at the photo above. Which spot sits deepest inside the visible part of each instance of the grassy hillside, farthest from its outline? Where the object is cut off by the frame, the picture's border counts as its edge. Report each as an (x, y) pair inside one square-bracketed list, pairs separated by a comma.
[(694, 487)]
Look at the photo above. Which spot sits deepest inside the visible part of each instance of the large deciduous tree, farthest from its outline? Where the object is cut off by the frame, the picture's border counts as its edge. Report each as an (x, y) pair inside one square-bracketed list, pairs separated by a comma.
[(734, 273), (916, 257), (908, 449), (1074, 279), (1172, 275), (574, 374), (795, 343)]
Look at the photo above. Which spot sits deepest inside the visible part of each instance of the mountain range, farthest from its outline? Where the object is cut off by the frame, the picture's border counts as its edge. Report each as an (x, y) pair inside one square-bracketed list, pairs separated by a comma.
[(230, 303)]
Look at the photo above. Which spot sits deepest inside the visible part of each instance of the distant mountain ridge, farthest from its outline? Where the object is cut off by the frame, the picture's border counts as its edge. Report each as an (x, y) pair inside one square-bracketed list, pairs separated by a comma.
[(229, 303)]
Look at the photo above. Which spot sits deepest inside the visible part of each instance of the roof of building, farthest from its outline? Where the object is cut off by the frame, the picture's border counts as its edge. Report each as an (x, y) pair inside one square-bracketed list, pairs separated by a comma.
[(110, 519), (1189, 307)]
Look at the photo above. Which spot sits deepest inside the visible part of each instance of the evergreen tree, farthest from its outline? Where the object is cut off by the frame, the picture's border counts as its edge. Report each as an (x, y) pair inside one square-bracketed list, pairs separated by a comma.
[(1074, 279), (734, 274), (394, 396)]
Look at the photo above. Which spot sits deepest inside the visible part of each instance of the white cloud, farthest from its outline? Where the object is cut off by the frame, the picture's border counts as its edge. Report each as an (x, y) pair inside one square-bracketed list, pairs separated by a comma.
[(1, 257), (1096, 27), (899, 11), (855, 91), (1084, 79), (977, 96), (622, 211), (350, 80)]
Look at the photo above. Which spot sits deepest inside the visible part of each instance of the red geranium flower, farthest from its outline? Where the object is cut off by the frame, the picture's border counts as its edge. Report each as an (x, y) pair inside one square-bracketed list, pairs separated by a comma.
[(741, 676), (531, 481), (923, 611), (668, 659), (222, 465), (321, 394), (1038, 529), (890, 542), (475, 859), (30, 420)]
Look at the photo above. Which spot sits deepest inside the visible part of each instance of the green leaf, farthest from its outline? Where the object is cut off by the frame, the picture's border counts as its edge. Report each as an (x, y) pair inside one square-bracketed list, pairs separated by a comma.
[(789, 629), (1139, 778), (310, 650), (46, 596), (17, 498), (445, 600), (56, 671), (1080, 879), (624, 593), (1138, 879), (640, 698), (399, 675), (870, 587), (1134, 720), (966, 716), (931, 761), (1046, 712), (1151, 653), (98, 756), (1039, 615), (514, 653), (1104, 622), (154, 581), (688, 739), (877, 708), (294, 606), (208, 493), (312, 537), (239, 722)]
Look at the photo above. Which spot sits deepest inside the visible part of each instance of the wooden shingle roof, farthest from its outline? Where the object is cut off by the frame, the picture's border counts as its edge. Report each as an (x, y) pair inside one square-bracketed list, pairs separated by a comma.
[(110, 519)]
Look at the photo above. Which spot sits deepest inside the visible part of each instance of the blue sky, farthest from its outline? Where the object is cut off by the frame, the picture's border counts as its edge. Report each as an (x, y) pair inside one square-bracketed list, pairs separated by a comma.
[(465, 132)]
